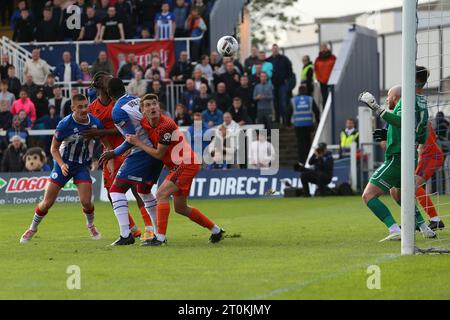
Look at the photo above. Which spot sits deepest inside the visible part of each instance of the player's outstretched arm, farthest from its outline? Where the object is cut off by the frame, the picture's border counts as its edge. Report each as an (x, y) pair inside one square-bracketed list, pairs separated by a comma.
[(54, 150), (157, 152), (369, 100)]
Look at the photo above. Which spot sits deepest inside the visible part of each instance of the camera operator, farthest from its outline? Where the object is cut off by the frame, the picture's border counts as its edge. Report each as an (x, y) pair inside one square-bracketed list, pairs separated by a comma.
[(321, 175)]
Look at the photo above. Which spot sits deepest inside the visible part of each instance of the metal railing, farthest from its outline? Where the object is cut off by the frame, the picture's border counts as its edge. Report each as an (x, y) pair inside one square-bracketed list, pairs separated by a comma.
[(17, 55), (77, 44)]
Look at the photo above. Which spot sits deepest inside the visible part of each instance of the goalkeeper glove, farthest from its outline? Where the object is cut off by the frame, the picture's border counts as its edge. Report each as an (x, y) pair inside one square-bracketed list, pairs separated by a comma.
[(369, 100), (380, 135)]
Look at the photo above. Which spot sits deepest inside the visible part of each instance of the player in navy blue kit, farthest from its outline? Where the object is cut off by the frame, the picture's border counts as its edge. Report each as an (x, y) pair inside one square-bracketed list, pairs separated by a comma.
[(139, 169), (72, 155)]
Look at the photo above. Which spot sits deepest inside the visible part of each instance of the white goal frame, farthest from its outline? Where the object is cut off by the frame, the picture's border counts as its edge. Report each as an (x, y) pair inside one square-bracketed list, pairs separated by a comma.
[(408, 189)]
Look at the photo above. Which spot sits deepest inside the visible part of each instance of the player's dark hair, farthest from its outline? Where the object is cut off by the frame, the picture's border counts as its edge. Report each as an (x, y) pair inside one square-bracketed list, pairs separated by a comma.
[(97, 78), (422, 75), (116, 88), (237, 99), (78, 97), (212, 101)]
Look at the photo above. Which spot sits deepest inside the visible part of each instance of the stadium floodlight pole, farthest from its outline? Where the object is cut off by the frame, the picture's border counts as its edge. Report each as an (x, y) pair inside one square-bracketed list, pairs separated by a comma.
[(408, 189)]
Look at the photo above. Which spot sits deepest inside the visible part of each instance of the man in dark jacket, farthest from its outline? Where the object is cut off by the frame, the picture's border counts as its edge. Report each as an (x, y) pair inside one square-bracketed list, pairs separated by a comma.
[(222, 97), (251, 60), (24, 30), (182, 69), (47, 30), (126, 71), (282, 72), (321, 175), (4, 66), (13, 82), (245, 92), (13, 156), (239, 112)]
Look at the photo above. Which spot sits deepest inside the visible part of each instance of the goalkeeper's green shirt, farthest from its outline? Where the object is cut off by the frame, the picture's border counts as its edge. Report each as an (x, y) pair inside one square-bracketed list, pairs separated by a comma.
[(393, 144)]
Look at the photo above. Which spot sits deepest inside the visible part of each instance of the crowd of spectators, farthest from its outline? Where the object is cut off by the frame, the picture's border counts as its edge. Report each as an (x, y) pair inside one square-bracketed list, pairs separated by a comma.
[(45, 20), (220, 91)]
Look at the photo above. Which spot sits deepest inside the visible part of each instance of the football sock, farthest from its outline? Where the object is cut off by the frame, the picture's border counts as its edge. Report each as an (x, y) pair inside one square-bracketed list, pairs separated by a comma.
[(120, 206), (201, 219), (419, 218), (435, 219), (89, 213), (146, 218), (38, 216), (163, 211), (394, 228), (149, 214), (426, 203), (132, 224), (381, 211), (418, 215)]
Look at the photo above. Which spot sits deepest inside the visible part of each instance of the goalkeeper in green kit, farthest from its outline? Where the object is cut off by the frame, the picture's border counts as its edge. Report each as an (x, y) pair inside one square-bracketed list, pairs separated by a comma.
[(388, 175)]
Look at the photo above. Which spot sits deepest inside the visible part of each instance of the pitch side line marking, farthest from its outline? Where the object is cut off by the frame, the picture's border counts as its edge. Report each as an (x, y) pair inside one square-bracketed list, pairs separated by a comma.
[(334, 275)]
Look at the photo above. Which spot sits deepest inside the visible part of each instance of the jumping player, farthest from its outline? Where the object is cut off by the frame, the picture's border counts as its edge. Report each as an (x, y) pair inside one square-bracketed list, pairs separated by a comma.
[(169, 145), (139, 169), (387, 176), (430, 159), (72, 154), (102, 108)]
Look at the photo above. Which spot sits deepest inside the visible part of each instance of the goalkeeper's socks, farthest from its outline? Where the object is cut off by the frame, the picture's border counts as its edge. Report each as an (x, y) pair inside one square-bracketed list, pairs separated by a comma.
[(381, 211), (38, 216), (426, 203), (162, 211), (200, 219), (120, 206), (394, 228), (89, 214), (419, 218)]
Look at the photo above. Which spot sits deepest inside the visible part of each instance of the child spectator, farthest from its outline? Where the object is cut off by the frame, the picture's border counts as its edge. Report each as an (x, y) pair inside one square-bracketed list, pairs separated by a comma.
[(24, 103), (6, 96)]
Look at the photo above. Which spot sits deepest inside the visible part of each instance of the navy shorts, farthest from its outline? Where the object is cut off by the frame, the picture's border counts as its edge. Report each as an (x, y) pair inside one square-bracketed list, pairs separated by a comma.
[(140, 167), (80, 174)]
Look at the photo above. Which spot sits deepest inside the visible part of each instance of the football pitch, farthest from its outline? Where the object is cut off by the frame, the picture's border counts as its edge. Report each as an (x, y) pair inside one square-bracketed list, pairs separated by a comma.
[(275, 249)]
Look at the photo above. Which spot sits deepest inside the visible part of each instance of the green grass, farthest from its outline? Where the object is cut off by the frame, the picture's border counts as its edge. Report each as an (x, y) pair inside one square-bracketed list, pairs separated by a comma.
[(278, 249)]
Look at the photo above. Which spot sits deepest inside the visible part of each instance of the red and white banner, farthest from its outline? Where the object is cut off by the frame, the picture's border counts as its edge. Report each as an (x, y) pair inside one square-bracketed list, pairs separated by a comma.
[(166, 50)]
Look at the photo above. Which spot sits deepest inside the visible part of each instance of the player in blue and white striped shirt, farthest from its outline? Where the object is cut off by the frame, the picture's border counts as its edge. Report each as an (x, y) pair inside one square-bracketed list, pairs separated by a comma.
[(165, 24), (72, 154)]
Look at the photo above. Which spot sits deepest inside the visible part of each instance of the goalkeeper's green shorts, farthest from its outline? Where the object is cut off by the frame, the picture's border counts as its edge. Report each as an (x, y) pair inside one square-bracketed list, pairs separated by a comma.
[(388, 176)]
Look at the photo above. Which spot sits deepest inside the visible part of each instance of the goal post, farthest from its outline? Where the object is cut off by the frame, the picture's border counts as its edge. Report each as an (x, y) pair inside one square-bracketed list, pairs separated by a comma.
[(409, 48)]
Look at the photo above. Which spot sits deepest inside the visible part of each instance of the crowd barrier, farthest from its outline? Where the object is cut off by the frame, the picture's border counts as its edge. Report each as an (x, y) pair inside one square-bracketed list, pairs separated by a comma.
[(28, 188)]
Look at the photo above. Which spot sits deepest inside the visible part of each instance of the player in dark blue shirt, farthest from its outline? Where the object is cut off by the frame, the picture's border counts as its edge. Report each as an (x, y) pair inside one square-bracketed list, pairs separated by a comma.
[(72, 154)]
